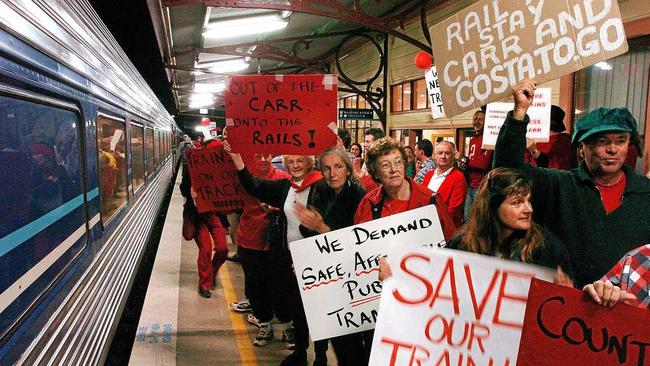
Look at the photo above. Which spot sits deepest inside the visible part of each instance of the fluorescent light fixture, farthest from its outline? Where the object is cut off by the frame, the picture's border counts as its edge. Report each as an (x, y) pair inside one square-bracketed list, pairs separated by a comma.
[(577, 111), (201, 103), (244, 26), (603, 66), (226, 66), (205, 87), (199, 128), (203, 111), (201, 97)]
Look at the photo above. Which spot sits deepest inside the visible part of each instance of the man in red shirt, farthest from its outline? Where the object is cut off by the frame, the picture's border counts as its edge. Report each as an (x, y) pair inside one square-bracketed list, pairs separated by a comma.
[(447, 181), (479, 161)]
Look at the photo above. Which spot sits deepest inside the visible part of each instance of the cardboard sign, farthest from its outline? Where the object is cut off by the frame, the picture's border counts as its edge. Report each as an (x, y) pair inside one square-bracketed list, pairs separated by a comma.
[(539, 113), (563, 326), (433, 88), (281, 114), (491, 45), (337, 271), (448, 307), (215, 181)]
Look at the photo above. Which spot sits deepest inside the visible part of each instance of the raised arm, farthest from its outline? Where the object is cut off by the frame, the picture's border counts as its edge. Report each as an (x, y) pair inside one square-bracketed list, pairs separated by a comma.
[(511, 143), (267, 191)]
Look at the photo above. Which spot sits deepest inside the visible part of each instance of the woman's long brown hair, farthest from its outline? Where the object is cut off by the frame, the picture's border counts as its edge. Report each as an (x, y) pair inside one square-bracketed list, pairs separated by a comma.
[(481, 234)]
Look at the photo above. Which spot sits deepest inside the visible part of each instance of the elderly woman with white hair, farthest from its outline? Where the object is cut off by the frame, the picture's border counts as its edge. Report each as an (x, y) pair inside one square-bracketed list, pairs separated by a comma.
[(285, 194)]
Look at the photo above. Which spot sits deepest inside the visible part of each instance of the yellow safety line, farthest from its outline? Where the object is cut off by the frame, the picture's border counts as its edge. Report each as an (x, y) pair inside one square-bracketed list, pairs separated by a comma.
[(246, 353)]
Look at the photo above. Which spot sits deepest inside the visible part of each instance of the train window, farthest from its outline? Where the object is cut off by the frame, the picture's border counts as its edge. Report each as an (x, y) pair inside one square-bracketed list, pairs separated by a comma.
[(148, 142), (137, 156), (41, 205), (156, 158), (111, 142)]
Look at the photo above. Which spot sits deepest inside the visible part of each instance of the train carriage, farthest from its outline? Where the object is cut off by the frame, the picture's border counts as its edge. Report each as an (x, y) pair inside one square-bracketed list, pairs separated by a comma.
[(86, 152)]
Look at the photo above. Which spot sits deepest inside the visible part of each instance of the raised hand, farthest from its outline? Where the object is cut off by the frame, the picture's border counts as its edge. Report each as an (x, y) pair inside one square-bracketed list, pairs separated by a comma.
[(236, 157), (523, 94)]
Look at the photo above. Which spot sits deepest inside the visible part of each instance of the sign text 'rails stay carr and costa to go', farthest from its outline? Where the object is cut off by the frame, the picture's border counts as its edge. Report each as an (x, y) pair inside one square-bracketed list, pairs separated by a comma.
[(488, 47), (281, 114)]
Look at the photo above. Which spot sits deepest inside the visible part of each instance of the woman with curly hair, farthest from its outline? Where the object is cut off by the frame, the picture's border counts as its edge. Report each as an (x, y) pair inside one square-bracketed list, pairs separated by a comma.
[(501, 225)]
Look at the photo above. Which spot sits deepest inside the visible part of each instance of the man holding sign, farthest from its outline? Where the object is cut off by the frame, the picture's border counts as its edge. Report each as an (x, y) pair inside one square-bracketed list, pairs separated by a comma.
[(600, 209)]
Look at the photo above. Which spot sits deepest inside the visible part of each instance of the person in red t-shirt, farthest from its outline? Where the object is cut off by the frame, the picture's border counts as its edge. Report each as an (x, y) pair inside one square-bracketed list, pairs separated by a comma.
[(558, 152), (479, 161), (253, 250)]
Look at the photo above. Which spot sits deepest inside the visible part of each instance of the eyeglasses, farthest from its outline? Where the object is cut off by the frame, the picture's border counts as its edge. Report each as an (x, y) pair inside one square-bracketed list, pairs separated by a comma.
[(387, 165)]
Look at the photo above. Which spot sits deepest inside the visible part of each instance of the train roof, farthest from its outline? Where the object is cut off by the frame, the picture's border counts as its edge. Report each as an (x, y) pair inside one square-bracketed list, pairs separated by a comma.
[(72, 34)]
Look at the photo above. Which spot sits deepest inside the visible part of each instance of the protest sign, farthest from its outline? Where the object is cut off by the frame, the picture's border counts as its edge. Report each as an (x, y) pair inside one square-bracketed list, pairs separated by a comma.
[(491, 45), (214, 179), (281, 114), (563, 326), (448, 307), (337, 271), (539, 113), (433, 88)]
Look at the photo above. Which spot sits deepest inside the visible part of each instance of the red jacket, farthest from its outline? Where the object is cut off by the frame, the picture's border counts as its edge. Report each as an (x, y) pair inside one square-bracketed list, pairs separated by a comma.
[(420, 196), (452, 192), (254, 221)]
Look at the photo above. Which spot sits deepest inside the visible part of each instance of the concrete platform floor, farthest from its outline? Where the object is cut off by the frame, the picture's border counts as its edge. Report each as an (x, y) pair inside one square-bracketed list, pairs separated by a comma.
[(178, 327)]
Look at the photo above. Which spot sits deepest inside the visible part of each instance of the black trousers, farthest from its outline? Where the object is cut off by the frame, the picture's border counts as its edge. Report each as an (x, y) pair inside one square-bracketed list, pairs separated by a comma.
[(264, 286)]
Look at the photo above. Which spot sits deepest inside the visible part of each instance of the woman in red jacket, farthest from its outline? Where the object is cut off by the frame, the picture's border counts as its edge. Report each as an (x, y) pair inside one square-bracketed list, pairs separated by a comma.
[(386, 164)]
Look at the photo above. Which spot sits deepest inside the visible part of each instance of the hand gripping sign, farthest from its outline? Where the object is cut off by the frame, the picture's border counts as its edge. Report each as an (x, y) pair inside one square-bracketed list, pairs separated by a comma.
[(281, 114), (215, 180), (485, 49), (563, 326), (337, 272), (448, 307)]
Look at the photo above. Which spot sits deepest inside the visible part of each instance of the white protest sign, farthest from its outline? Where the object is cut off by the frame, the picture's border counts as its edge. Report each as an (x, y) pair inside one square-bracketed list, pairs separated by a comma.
[(448, 307), (433, 88), (491, 45), (337, 271), (117, 135), (539, 113)]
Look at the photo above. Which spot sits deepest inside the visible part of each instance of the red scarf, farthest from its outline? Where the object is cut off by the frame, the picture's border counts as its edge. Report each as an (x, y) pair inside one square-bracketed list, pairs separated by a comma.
[(307, 182)]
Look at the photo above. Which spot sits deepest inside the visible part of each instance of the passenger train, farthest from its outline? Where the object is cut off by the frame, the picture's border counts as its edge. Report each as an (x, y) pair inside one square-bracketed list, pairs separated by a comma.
[(86, 153)]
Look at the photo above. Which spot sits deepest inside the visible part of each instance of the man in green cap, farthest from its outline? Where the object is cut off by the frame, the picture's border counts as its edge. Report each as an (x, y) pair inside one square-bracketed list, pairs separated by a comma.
[(600, 209)]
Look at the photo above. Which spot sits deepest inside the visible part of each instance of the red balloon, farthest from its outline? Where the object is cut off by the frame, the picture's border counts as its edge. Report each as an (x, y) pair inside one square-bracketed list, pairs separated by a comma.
[(423, 60)]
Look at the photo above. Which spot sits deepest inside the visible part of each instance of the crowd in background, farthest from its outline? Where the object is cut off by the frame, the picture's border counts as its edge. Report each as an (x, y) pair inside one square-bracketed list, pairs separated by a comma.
[(570, 204)]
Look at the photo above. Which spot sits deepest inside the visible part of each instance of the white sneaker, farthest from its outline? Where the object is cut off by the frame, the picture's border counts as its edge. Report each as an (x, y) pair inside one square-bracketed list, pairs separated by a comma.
[(242, 306), (251, 319), (264, 335)]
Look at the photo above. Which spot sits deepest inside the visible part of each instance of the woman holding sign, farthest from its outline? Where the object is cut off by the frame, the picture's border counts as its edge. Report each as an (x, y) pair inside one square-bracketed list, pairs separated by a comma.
[(501, 225), (285, 194), (335, 199), (386, 162)]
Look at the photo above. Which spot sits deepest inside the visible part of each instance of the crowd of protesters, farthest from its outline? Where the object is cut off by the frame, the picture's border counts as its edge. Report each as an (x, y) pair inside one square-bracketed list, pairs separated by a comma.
[(570, 204)]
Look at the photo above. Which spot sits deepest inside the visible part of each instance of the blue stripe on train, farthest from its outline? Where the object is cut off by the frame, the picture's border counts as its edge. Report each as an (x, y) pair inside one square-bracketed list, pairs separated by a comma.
[(28, 231)]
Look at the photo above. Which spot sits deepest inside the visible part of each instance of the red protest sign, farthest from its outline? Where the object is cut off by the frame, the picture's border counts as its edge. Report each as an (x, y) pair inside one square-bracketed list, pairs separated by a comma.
[(214, 179), (281, 114), (563, 326)]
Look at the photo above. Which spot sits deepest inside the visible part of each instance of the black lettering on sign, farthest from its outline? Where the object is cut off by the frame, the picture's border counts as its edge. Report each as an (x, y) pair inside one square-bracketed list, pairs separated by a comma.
[(576, 331), (260, 138), (349, 320), (276, 105)]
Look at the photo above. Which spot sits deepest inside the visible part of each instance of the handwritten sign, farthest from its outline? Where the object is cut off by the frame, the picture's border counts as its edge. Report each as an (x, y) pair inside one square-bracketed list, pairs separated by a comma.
[(581, 332), (448, 307), (281, 114), (214, 179), (539, 113), (337, 271), (485, 49), (433, 88)]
